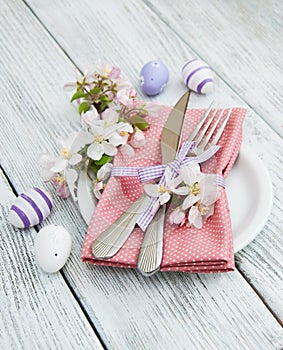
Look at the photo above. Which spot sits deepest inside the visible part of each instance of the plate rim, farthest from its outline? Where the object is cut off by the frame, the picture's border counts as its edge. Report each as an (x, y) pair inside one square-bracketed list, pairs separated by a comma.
[(266, 192)]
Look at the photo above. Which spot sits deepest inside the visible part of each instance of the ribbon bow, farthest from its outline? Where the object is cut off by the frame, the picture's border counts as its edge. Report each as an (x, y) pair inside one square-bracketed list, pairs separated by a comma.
[(158, 171)]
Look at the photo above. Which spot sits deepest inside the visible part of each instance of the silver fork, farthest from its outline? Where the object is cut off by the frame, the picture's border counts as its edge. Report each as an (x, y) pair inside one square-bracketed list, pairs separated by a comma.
[(151, 251)]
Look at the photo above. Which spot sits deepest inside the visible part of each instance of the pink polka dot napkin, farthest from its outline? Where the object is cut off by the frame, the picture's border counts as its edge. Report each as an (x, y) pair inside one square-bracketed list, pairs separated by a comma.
[(209, 249)]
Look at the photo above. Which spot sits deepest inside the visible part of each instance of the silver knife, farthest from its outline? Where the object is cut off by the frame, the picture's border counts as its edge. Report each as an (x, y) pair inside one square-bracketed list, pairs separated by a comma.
[(107, 244), (151, 251)]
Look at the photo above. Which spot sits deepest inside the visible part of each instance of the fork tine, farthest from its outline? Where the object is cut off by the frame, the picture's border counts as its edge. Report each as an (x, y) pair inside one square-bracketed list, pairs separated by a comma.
[(221, 129), (204, 130), (201, 122), (207, 138)]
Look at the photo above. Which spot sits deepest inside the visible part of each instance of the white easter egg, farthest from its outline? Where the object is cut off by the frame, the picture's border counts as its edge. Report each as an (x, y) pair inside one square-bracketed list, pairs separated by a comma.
[(30, 208), (198, 76), (52, 247)]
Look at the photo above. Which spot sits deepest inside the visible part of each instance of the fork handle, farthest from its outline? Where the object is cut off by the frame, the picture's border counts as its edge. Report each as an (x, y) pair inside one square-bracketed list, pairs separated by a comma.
[(151, 251), (111, 240)]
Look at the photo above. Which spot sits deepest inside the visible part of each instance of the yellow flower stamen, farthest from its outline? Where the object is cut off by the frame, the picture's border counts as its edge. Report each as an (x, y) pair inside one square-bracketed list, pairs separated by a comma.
[(202, 208), (64, 153), (194, 189), (124, 133), (60, 179), (107, 123), (105, 70), (162, 189), (99, 138)]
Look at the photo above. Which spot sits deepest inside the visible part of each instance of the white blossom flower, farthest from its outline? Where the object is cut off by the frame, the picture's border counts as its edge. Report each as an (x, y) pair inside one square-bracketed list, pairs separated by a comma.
[(199, 212), (100, 144), (177, 217), (194, 181), (163, 192), (102, 175), (68, 151), (46, 162), (127, 150), (198, 185), (88, 118), (204, 207), (108, 134)]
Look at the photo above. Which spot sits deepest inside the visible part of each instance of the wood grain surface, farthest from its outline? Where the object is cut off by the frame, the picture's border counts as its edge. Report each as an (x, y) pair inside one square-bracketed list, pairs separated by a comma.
[(38, 310), (40, 43)]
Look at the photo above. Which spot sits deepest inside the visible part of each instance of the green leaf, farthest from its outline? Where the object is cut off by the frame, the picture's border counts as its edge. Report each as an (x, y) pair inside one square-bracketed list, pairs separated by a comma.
[(78, 94), (83, 107), (95, 90), (104, 98), (103, 160), (139, 122)]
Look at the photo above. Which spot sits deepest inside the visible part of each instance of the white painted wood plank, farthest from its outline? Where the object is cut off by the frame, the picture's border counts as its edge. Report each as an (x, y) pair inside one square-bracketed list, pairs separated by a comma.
[(171, 310), (241, 40), (38, 310), (147, 40)]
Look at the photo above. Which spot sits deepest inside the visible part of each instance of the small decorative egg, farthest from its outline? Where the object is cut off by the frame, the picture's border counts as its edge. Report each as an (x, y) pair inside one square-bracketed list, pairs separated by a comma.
[(198, 76), (52, 247), (30, 208), (153, 77)]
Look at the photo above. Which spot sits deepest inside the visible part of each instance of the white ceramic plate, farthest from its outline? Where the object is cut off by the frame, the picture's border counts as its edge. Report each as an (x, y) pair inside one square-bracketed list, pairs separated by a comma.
[(250, 196), (249, 191)]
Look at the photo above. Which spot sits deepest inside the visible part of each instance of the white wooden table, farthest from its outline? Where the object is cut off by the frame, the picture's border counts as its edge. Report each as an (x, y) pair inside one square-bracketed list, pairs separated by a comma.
[(89, 307)]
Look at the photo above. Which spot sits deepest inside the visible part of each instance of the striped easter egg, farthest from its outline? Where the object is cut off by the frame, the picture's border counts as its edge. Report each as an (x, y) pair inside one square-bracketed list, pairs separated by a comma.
[(197, 76), (30, 208)]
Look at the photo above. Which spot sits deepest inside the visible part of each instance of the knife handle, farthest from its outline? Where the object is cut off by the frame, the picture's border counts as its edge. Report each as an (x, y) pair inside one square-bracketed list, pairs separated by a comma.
[(151, 251), (111, 240)]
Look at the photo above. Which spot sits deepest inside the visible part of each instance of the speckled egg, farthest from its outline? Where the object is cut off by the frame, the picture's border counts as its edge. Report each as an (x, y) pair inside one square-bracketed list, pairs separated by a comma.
[(153, 77), (30, 208), (198, 76), (52, 247)]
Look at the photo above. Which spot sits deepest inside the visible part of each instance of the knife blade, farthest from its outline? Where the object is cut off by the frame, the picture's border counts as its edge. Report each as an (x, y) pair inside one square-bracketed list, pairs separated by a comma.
[(151, 251), (109, 242)]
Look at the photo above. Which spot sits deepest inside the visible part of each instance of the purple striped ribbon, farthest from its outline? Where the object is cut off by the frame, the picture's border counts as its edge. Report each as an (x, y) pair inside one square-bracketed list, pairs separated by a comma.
[(151, 172)]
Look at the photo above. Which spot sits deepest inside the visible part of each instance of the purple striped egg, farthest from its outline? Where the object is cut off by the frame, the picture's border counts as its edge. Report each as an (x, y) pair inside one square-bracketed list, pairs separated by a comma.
[(30, 208), (197, 76)]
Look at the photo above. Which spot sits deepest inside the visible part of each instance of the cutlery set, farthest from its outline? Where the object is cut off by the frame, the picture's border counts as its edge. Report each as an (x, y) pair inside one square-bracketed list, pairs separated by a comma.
[(206, 134)]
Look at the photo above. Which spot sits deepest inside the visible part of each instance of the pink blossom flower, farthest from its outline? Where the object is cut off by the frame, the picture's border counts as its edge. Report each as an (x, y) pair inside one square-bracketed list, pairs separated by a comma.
[(137, 139), (46, 162), (177, 217), (115, 73), (88, 118), (85, 80), (126, 96), (153, 109), (61, 186)]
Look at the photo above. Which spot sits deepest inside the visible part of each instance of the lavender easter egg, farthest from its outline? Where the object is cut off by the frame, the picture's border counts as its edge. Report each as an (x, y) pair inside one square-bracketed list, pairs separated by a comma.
[(52, 247), (30, 208), (153, 77), (198, 76)]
